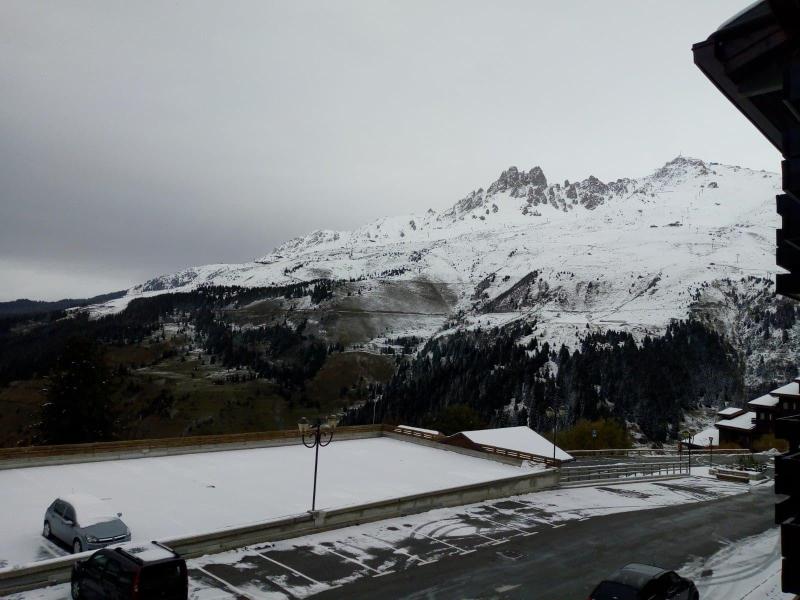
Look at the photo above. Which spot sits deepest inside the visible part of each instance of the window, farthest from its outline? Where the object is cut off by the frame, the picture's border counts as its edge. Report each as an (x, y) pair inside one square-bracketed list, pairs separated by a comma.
[(99, 560), (69, 513), (59, 508), (112, 570), (97, 563)]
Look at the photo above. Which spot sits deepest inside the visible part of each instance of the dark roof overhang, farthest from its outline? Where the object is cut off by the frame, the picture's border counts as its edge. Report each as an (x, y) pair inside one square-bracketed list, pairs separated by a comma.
[(750, 59), (754, 60)]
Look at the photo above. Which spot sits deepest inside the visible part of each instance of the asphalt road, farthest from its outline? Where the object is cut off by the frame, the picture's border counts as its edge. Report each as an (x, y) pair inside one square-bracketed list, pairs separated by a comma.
[(565, 563)]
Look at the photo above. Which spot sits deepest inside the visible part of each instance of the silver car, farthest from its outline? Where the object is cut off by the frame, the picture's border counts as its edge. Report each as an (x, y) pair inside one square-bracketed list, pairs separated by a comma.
[(84, 522)]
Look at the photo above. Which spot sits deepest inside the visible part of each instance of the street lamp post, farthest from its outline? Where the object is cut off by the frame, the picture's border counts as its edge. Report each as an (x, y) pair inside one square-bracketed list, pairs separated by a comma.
[(555, 413), (710, 451), (686, 437), (320, 434)]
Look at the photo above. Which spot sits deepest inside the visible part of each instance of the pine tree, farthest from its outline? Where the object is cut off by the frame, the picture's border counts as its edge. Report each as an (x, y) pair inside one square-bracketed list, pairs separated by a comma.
[(78, 407)]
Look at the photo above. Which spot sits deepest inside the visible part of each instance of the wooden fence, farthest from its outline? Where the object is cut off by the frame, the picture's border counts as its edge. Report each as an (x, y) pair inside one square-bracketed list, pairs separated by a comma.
[(550, 462), (199, 441)]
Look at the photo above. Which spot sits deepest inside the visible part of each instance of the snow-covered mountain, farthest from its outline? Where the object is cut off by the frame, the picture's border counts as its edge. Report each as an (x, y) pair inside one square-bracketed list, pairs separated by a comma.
[(627, 254)]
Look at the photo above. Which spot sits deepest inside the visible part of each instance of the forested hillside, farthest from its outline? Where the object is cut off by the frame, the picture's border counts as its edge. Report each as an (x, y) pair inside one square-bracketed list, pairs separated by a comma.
[(510, 381), (633, 300)]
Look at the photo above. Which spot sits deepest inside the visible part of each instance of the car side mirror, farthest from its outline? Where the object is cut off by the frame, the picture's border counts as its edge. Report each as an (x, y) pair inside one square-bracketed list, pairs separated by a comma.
[(69, 522), (119, 515)]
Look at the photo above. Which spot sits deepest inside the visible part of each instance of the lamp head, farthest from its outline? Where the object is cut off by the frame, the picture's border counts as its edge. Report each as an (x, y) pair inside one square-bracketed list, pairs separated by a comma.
[(303, 425)]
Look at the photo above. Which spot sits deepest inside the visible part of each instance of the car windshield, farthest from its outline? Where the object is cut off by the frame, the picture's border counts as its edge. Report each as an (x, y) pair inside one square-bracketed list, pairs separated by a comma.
[(611, 590)]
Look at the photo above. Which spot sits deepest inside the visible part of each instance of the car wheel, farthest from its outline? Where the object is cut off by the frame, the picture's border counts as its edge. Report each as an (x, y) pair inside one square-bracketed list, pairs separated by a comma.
[(46, 530), (75, 588), (77, 546)]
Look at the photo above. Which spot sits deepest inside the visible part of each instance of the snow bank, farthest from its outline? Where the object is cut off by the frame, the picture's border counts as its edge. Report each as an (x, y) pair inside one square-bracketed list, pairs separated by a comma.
[(749, 568)]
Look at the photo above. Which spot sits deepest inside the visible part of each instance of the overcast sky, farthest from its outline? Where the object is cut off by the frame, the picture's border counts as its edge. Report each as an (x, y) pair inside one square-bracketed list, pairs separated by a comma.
[(138, 138)]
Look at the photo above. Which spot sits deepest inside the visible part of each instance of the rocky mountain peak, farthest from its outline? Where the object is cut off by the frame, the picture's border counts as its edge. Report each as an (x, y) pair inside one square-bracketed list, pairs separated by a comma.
[(517, 182), (680, 167)]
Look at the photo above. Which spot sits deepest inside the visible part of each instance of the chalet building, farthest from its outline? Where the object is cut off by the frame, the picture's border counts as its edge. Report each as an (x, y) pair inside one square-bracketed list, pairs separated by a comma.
[(739, 430), (781, 402), (711, 437), (766, 408), (742, 426)]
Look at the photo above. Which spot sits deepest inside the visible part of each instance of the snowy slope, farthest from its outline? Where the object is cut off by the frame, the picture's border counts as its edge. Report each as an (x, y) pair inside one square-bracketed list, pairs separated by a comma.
[(628, 254)]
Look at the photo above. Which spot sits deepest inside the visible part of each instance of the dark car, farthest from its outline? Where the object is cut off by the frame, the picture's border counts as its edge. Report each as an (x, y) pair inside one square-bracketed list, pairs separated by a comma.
[(644, 582), (149, 571)]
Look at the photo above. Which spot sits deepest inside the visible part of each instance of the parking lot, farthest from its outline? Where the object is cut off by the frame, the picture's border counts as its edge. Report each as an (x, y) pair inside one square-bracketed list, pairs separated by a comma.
[(399, 549), (171, 496)]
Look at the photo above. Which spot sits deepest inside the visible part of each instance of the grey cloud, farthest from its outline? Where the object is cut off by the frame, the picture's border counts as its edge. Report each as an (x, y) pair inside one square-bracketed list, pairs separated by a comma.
[(138, 138)]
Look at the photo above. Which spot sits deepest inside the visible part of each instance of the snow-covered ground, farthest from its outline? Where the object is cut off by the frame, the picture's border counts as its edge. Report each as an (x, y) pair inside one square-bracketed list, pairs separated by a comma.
[(749, 569), (275, 571), (164, 497)]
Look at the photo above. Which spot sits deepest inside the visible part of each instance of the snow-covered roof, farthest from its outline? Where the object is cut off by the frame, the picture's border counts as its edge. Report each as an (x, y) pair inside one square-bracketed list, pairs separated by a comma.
[(90, 510), (521, 439), (767, 400), (790, 389), (419, 429), (730, 411), (148, 551), (743, 422), (701, 438)]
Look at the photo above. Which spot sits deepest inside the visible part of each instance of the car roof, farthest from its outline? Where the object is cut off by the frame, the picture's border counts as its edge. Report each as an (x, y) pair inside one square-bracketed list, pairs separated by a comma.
[(636, 575), (90, 510), (146, 553)]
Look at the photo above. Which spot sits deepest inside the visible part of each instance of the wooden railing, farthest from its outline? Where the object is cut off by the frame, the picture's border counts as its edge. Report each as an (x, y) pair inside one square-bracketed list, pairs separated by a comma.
[(417, 433), (550, 462), (199, 441)]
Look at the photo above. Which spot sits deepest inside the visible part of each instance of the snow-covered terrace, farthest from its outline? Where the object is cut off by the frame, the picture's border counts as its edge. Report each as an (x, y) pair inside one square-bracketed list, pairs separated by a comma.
[(170, 496)]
